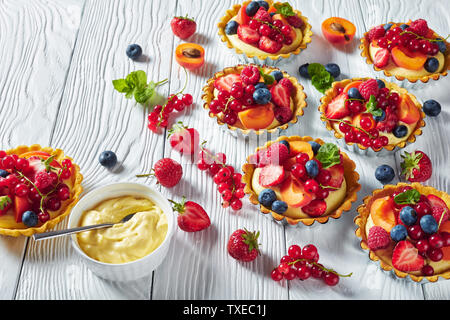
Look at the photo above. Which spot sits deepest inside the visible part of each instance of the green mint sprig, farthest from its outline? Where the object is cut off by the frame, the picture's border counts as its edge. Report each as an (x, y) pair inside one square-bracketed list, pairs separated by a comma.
[(321, 79), (268, 79), (328, 155), (411, 196), (284, 9), (371, 107)]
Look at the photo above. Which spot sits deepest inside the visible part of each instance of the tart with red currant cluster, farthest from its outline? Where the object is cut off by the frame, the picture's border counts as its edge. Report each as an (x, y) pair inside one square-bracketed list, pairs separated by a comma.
[(409, 51), (254, 98), (407, 228), (38, 188), (265, 31), (372, 113), (301, 180)]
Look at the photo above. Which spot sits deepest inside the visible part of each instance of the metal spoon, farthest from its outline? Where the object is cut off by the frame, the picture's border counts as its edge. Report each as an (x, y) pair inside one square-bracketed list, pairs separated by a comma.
[(57, 233)]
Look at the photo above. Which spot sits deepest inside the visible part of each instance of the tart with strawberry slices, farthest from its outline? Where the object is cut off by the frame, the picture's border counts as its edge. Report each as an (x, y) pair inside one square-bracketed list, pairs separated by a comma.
[(371, 115), (38, 186), (264, 32), (406, 228), (409, 51), (301, 180), (252, 98)]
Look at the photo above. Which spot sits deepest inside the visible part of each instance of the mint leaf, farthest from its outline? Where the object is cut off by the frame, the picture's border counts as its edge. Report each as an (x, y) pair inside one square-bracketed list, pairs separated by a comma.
[(268, 79), (371, 107), (284, 9), (322, 81), (411, 196), (328, 155), (135, 85), (5, 201), (315, 69), (121, 85)]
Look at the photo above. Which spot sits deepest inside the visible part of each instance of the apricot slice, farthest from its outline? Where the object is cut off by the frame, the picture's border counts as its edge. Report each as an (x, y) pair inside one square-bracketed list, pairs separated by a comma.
[(190, 55), (382, 213), (294, 194), (257, 118), (408, 60), (30, 154), (445, 227), (338, 30), (354, 84), (242, 18), (21, 205), (297, 147), (407, 110)]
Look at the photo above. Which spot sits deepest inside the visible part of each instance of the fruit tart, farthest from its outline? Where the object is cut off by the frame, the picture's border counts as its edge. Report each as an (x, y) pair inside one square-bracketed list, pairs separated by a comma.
[(301, 180), (409, 51), (264, 32), (38, 186), (251, 98), (371, 116), (406, 228)]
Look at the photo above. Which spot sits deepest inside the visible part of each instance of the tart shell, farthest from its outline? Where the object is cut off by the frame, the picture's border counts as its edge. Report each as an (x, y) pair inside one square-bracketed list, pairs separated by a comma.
[(299, 100), (361, 219), (351, 178), (76, 191)]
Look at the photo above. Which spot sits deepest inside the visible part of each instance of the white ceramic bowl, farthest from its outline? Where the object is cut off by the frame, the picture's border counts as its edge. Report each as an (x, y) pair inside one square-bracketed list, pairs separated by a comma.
[(131, 270)]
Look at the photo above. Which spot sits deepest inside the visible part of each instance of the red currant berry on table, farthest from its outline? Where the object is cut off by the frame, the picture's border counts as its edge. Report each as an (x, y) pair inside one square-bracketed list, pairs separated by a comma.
[(295, 252), (303, 272), (317, 271), (286, 259), (214, 168), (291, 275), (283, 268), (330, 278), (187, 99), (309, 251), (236, 204), (276, 275)]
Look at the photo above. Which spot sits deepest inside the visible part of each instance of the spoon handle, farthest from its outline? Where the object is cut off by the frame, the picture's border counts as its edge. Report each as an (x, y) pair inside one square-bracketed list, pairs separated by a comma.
[(57, 233)]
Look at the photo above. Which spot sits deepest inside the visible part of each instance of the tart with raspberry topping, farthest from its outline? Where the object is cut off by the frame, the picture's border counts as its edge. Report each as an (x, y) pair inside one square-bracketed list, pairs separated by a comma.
[(373, 115), (38, 188), (406, 228), (298, 179), (264, 32), (252, 98), (409, 51)]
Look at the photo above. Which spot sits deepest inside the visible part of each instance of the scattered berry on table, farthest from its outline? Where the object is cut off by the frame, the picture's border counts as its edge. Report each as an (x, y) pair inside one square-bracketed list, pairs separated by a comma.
[(303, 70), (108, 159), (431, 108), (243, 245), (333, 69), (167, 172), (384, 173), (416, 166), (183, 27), (191, 216), (134, 51)]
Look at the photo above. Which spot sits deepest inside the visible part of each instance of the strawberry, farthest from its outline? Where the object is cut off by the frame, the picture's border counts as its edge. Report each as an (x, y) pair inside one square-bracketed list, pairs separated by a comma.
[(276, 153), (368, 88), (191, 216), (337, 108), (406, 257), (262, 15), (416, 166), (315, 208), (287, 83), (281, 95), (337, 175), (439, 208), (271, 175), (183, 27), (378, 238), (268, 45), (225, 83), (376, 33), (247, 34), (243, 245), (168, 172), (183, 139), (5, 204), (381, 58)]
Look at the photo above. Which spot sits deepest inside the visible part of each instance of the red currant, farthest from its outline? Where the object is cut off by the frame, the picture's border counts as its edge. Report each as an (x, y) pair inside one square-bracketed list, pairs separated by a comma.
[(291, 274), (295, 252), (303, 272), (21, 190), (427, 270), (422, 245), (302, 158), (415, 232), (435, 254), (311, 186), (298, 171), (236, 204), (43, 216), (317, 271), (276, 275), (309, 251), (436, 241), (187, 99), (63, 193), (330, 278)]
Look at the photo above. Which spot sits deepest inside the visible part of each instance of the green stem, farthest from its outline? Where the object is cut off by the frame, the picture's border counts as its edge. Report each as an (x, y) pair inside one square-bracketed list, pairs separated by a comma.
[(321, 267), (351, 125), (424, 38)]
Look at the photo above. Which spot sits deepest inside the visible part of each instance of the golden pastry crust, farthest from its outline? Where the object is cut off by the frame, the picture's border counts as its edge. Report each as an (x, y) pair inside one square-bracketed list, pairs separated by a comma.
[(350, 174), (76, 191), (331, 93), (361, 219), (299, 99), (365, 53)]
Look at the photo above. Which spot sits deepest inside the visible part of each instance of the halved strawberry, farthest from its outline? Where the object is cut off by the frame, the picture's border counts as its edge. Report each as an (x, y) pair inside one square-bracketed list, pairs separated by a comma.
[(381, 58), (225, 82), (439, 208), (276, 153), (315, 208), (281, 95), (268, 45), (21, 204), (247, 34), (183, 139), (406, 257), (337, 175), (192, 217), (271, 175), (337, 108)]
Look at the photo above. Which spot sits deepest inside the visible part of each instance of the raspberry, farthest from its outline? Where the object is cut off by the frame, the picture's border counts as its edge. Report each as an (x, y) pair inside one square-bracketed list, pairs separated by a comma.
[(283, 114), (378, 238), (43, 180), (250, 75), (376, 33), (295, 21), (285, 82), (419, 27), (368, 88), (262, 15)]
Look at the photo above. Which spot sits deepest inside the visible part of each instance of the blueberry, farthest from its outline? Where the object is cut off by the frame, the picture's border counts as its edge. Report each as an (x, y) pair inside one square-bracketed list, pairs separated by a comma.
[(260, 85), (353, 93), (387, 26), (384, 173), (315, 146), (333, 69), (262, 96), (30, 218), (380, 118), (267, 197), (408, 215), (4, 173), (431, 65), (134, 51), (400, 131), (252, 8), (404, 26), (441, 44), (279, 206), (428, 224), (107, 159), (399, 232), (381, 84), (264, 4), (312, 168), (231, 27), (272, 14), (286, 143), (303, 70), (278, 75), (431, 108)]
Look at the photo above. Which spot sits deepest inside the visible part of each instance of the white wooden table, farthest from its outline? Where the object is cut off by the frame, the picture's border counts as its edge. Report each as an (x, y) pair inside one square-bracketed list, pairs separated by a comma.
[(57, 62)]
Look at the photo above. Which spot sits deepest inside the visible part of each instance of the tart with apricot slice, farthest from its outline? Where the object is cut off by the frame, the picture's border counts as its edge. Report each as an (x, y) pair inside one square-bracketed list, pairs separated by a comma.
[(410, 51), (301, 180), (371, 114), (38, 188), (252, 98), (406, 228)]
